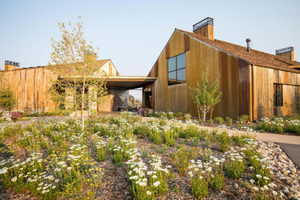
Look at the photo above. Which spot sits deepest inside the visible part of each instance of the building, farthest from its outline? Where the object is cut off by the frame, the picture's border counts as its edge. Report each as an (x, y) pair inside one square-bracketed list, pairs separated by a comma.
[(31, 87), (253, 83)]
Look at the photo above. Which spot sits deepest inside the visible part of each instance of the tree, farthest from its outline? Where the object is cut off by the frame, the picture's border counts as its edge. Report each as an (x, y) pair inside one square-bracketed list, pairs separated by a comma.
[(206, 96), (7, 99), (74, 60)]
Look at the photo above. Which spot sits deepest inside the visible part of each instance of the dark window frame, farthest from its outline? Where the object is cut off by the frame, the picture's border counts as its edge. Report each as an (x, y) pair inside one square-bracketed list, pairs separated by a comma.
[(176, 80), (278, 95)]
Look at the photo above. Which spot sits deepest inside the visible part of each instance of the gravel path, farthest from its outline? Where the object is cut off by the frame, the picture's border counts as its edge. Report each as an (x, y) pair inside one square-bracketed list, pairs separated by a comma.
[(289, 143)]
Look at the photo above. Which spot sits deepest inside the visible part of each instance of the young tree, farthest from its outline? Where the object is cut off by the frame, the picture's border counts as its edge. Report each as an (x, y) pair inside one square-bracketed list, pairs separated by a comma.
[(207, 95), (75, 62)]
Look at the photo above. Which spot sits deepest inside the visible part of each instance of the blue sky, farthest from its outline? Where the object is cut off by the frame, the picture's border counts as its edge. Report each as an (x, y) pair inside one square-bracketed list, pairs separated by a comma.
[(132, 33)]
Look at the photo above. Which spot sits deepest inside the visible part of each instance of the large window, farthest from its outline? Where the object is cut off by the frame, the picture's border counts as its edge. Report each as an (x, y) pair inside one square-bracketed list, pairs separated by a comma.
[(176, 69)]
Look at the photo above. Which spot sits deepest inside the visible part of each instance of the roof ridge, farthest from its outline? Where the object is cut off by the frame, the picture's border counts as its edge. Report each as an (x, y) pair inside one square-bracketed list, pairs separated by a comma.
[(253, 56), (259, 51), (45, 66)]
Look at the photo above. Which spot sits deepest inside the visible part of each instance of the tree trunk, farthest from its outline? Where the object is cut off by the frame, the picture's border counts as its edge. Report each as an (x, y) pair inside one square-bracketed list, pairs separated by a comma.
[(211, 113), (204, 116), (199, 112)]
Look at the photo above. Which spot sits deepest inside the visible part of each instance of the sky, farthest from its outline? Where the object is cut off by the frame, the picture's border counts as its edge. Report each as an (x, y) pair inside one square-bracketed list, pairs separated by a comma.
[(133, 32)]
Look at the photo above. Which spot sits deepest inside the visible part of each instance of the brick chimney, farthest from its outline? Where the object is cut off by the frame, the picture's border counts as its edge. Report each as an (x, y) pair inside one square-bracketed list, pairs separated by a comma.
[(205, 28), (10, 65), (287, 53)]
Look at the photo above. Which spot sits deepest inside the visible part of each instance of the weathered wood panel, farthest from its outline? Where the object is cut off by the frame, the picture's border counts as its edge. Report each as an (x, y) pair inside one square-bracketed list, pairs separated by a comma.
[(30, 87), (201, 60), (176, 101), (264, 80)]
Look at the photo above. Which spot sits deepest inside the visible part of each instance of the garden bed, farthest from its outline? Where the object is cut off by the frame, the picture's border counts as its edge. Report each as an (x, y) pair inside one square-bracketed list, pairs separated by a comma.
[(127, 156)]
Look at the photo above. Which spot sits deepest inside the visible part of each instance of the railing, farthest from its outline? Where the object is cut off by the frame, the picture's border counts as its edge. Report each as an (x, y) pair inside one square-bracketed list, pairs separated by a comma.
[(202, 23), (8, 62), (284, 50)]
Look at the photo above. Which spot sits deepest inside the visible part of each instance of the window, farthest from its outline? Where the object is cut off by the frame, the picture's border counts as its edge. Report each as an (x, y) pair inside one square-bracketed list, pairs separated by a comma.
[(176, 69), (278, 96)]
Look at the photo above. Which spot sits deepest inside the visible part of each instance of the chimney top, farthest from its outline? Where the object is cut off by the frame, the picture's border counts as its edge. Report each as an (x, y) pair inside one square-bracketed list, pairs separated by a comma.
[(248, 41), (8, 62), (287, 52), (205, 28)]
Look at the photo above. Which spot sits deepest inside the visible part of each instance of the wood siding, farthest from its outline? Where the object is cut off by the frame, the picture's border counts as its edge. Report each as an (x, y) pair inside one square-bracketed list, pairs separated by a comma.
[(264, 79), (233, 75), (30, 87)]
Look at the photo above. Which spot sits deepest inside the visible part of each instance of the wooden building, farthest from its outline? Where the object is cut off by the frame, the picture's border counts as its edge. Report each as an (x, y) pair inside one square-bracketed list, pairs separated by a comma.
[(31, 87), (253, 83)]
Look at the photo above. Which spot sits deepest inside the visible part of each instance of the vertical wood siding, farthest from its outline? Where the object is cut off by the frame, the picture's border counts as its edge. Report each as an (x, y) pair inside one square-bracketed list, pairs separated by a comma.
[(31, 88), (264, 79), (233, 75)]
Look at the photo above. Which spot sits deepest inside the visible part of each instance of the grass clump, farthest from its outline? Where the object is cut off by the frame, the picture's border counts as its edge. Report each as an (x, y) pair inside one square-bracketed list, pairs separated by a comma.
[(217, 181), (219, 120), (234, 169), (181, 159), (223, 140), (199, 187)]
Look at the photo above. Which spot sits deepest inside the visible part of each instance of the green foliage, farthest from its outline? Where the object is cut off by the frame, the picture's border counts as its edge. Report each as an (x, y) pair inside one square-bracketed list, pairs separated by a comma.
[(199, 187), (223, 140), (169, 137), (239, 140), (7, 99), (244, 119), (219, 120), (156, 137), (187, 117), (217, 181), (142, 130), (181, 159), (228, 121), (189, 131), (207, 94), (234, 169), (276, 126)]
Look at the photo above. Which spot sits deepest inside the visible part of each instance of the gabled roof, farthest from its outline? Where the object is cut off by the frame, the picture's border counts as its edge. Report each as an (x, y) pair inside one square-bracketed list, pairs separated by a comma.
[(253, 56)]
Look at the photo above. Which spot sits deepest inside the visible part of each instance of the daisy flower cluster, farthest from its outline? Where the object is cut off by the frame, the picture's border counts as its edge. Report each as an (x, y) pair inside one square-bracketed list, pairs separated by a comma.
[(147, 180), (205, 168)]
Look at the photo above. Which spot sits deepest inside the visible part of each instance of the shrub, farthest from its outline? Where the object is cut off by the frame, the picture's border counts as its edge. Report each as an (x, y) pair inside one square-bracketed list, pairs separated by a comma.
[(156, 136), (142, 130), (239, 140), (217, 181), (15, 115), (224, 141), (189, 131), (234, 169), (275, 126), (7, 99), (292, 126), (199, 187), (219, 120), (169, 137), (244, 119), (181, 159), (228, 121), (187, 117), (100, 151)]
